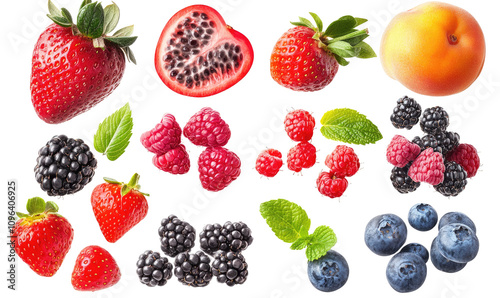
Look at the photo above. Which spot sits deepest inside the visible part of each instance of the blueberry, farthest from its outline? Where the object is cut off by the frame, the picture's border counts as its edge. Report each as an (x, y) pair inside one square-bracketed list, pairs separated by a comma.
[(328, 273), (385, 234), (422, 217), (417, 249), (458, 243), (456, 217), (441, 263), (406, 272)]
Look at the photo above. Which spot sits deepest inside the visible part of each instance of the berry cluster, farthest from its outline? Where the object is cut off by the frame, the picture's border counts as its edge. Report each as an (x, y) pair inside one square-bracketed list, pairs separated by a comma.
[(217, 166), (342, 162), (437, 158), (222, 242)]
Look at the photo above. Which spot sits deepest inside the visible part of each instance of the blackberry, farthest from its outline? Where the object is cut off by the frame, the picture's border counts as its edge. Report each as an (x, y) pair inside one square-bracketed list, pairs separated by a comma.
[(434, 120), (428, 141), (234, 237), (406, 113), (455, 180), (193, 269), (153, 270), (64, 166), (230, 268), (176, 236), (447, 141), (401, 181)]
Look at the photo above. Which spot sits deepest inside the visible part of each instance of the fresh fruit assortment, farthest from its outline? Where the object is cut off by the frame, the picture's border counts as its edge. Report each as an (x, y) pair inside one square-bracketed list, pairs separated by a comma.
[(199, 55), (95, 269), (455, 245), (437, 158)]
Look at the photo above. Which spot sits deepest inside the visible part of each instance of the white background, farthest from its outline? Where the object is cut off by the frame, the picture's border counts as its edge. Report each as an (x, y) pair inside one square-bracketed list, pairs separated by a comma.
[(254, 109)]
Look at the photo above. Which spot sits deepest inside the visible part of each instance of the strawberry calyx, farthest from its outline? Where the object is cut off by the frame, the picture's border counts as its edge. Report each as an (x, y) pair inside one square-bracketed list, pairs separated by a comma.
[(126, 188), (95, 22), (37, 209), (340, 38)]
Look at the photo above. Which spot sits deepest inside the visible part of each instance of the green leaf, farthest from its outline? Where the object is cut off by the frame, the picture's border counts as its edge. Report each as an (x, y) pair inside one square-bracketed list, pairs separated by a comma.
[(111, 17), (307, 22), (122, 41), (342, 48), (51, 207), (300, 243), (22, 215), (364, 50), (349, 126), (85, 2), (318, 21), (340, 27), (353, 41), (113, 135), (53, 10), (90, 20), (287, 220), (129, 54), (298, 24), (322, 240), (35, 205), (125, 31), (360, 21), (59, 20), (65, 13), (341, 60)]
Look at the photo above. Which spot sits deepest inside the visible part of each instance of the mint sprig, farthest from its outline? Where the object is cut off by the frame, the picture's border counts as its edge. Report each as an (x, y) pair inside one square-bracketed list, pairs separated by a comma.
[(291, 224), (113, 135), (349, 126)]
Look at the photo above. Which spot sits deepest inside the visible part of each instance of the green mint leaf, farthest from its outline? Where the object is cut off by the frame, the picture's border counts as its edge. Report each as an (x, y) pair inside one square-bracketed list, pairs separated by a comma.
[(340, 27), (90, 20), (349, 126), (113, 135), (111, 17), (300, 243), (342, 48), (35, 205), (318, 21), (51, 207), (360, 21), (125, 31), (322, 240), (364, 50), (122, 41), (287, 220)]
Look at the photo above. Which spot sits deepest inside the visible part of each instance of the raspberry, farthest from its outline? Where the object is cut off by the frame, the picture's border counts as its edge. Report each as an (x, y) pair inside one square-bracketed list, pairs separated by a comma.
[(206, 128), (330, 185), (218, 167), (163, 137), (401, 151), (428, 167), (466, 156), (302, 155), (269, 162), (299, 125), (343, 161), (174, 161)]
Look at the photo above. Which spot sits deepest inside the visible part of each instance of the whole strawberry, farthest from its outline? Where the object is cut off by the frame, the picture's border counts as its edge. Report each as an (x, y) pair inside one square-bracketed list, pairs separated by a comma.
[(42, 237), (307, 59), (74, 67), (118, 207), (207, 128), (218, 167), (95, 269)]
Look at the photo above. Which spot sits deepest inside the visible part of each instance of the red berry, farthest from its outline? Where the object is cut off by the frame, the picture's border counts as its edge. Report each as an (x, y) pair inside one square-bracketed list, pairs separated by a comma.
[(206, 128), (163, 137), (95, 269), (299, 125), (269, 162), (401, 151), (428, 167), (218, 167), (343, 162), (302, 155), (466, 156), (174, 161), (330, 185)]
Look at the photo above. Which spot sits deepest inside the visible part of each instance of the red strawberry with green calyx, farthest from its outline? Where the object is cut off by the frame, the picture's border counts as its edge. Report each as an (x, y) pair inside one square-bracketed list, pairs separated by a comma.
[(42, 237), (306, 58), (76, 66), (95, 269), (118, 207)]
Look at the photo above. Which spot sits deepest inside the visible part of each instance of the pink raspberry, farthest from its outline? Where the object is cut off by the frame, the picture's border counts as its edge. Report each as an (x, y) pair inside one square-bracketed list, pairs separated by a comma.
[(343, 161), (466, 156), (218, 167), (302, 155), (330, 185), (174, 161), (428, 167), (163, 137), (299, 125), (401, 151), (269, 162), (206, 128)]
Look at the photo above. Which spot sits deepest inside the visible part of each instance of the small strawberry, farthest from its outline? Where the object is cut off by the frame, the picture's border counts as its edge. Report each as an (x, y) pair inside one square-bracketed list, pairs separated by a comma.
[(74, 67), (42, 237), (95, 269), (118, 207), (306, 59)]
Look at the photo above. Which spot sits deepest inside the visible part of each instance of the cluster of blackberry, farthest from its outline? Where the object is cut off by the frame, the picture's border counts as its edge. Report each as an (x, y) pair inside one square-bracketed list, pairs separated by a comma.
[(222, 242)]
